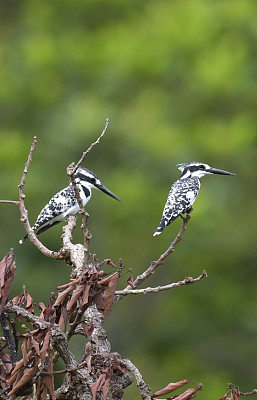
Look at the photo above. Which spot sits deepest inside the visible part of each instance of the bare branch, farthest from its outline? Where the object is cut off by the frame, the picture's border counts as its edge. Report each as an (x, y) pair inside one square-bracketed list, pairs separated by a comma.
[(187, 281), (90, 148), (24, 212), (145, 391), (64, 371), (254, 391), (84, 219), (155, 264), (71, 171), (10, 202), (28, 316)]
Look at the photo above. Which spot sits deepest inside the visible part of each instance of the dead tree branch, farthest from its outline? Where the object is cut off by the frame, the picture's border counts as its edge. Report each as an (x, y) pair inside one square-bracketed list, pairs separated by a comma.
[(155, 264), (254, 391), (187, 281), (72, 172), (144, 388), (10, 202), (24, 212)]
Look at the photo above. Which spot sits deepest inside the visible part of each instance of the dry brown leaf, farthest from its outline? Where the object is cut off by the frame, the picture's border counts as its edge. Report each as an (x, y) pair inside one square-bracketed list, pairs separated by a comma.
[(24, 353), (85, 295), (75, 295), (116, 363), (102, 273), (88, 362), (71, 284), (35, 345), (110, 262), (97, 386), (45, 346), (19, 366), (43, 394), (63, 295), (171, 387), (223, 397), (131, 282), (49, 379), (7, 268), (48, 312), (63, 320), (26, 377), (88, 330), (19, 300), (109, 292), (187, 395), (29, 301), (105, 386)]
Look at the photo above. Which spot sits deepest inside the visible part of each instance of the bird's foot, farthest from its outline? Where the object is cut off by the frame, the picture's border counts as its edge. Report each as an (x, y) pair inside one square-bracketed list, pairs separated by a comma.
[(184, 219)]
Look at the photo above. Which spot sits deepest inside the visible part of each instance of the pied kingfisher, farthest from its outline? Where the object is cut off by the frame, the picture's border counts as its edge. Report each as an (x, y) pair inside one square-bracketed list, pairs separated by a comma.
[(64, 203), (184, 191)]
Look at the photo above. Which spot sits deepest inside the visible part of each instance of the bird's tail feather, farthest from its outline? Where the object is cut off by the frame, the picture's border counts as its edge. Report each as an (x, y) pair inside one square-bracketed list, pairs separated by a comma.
[(41, 230), (46, 227), (164, 222), (23, 239), (160, 227)]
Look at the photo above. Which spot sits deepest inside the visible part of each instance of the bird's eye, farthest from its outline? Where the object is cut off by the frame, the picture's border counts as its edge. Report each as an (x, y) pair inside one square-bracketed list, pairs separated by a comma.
[(201, 167)]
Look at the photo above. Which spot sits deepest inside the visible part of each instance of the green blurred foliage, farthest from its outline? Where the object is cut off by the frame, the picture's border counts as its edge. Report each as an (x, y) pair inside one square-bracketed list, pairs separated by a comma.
[(178, 81)]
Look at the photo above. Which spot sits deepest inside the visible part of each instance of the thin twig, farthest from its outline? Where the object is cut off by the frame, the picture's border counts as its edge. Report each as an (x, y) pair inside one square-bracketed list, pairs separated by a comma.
[(71, 170), (187, 281), (24, 212), (64, 371), (10, 202), (90, 148), (84, 219), (254, 391)]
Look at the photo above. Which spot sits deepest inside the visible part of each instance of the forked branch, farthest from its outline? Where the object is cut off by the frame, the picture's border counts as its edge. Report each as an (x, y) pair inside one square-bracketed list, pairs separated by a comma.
[(154, 265), (187, 281)]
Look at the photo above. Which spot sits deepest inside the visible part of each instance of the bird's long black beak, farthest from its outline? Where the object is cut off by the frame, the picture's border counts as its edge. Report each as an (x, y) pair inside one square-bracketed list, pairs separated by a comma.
[(219, 171), (107, 191)]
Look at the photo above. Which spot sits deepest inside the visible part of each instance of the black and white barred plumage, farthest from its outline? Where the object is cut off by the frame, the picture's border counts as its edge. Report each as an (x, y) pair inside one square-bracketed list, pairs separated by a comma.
[(184, 191), (64, 203)]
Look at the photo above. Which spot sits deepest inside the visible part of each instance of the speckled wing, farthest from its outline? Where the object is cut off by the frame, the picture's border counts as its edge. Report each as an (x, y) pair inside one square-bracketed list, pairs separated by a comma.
[(180, 199), (56, 208)]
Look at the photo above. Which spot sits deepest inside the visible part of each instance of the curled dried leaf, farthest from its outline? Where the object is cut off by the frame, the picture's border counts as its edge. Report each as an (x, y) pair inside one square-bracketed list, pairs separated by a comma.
[(49, 379), (111, 283), (97, 386), (187, 395), (7, 268), (75, 295), (171, 387), (131, 282), (110, 262), (24, 353), (29, 302), (26, 377), (45, 346)]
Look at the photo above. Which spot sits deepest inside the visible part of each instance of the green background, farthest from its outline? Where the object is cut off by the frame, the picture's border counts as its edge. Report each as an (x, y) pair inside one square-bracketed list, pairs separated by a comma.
[(178, 81)]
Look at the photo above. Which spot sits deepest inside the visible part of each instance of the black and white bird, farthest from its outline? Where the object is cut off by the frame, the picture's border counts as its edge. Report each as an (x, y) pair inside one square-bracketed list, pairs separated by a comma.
[(184, 191), (64, 203)]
